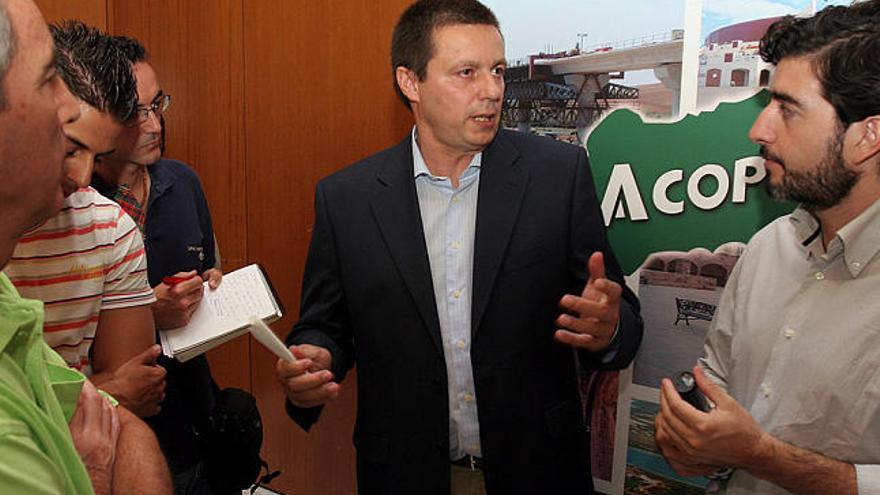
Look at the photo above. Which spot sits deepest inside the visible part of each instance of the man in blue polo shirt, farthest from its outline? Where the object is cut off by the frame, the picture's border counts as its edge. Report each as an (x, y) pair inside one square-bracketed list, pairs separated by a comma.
[(166, 200)]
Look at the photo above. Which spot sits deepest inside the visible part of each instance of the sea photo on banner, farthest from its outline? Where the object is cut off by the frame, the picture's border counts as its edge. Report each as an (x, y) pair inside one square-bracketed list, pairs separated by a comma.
[(662, 93)]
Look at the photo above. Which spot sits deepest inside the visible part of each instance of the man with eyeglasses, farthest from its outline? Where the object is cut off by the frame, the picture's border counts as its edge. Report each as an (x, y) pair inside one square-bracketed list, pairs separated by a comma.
[(87, 263), (166, 200)]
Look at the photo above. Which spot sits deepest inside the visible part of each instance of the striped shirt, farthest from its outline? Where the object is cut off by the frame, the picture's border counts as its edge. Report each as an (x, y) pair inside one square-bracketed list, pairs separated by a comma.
[(87, 258)]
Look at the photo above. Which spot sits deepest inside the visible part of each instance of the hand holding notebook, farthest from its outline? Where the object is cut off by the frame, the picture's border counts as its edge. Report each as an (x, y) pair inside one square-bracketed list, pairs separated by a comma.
[(223, 314)]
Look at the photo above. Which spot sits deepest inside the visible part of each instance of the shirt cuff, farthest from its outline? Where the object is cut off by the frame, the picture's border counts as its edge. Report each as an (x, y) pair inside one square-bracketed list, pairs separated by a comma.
[(613, 346), (868, 478)]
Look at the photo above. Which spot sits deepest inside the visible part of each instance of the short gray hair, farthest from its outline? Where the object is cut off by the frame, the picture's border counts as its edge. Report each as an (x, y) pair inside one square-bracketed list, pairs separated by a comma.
[(7, 50)]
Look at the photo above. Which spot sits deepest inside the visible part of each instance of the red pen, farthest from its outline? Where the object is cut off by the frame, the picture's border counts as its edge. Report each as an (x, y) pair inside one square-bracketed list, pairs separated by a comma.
[(172, 280)]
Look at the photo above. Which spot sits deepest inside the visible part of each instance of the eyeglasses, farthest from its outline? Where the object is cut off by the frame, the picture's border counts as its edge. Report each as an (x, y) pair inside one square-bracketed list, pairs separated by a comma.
[(158, 107)]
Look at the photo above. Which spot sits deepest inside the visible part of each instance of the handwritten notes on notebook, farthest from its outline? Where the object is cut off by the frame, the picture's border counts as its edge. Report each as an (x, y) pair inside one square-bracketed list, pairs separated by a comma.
[(223, 314)]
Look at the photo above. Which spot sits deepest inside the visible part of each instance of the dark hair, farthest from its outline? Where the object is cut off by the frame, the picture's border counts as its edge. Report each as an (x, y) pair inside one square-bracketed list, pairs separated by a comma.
[(95, 69), (133, 49), (135, 52), (412, 44), (843, 44)]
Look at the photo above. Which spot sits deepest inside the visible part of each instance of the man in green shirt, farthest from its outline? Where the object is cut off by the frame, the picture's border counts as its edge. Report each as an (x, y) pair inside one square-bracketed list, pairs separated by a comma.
[(57, 434), (33, 418)]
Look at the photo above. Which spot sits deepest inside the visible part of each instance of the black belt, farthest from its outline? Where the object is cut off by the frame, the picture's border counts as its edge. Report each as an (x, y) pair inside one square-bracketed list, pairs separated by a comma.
[(469, 461)]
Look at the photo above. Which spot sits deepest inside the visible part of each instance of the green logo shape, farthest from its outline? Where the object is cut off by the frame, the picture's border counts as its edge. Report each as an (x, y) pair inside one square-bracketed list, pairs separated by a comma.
[(677, 186)]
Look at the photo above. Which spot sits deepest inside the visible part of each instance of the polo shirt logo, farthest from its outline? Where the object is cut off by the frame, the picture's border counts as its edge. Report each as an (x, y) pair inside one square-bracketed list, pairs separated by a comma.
[(197, 249), (78, 268)]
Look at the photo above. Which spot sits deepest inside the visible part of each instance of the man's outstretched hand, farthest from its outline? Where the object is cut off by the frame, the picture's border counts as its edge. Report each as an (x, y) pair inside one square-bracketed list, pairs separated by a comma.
[(589, 320)]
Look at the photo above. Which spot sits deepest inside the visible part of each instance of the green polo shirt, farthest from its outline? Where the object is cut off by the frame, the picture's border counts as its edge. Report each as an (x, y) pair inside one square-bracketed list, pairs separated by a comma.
[(38, 394)]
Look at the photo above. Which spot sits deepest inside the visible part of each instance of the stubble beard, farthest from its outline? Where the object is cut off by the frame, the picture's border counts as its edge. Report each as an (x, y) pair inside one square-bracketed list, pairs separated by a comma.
[(819, 188)]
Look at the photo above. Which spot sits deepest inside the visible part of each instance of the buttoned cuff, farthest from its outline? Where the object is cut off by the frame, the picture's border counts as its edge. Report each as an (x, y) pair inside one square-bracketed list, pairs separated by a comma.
[(868, 478), (613, 346)]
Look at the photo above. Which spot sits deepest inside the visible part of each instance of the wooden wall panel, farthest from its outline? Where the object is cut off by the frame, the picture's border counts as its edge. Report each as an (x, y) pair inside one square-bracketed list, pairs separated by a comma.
[(196, 49), (318, 97), (268, 97), (92, 12)]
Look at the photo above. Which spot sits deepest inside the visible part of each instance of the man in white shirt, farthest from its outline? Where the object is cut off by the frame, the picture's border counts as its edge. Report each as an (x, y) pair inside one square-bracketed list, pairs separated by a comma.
[(790, 358)]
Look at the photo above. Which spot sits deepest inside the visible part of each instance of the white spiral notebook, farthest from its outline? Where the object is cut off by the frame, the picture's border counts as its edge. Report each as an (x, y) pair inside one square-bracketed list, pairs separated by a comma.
[(224, 314)]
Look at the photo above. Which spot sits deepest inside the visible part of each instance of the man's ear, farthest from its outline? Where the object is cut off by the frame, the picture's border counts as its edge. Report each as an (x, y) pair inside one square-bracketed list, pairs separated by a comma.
[(867, 140), (408, 82)]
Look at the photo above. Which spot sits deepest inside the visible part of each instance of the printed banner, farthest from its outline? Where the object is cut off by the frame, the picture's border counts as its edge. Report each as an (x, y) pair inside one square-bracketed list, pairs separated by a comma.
[(680, 200)]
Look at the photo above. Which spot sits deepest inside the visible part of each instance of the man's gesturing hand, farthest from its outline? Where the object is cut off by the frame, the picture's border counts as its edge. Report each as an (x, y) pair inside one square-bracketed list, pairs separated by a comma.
[(589, 320)]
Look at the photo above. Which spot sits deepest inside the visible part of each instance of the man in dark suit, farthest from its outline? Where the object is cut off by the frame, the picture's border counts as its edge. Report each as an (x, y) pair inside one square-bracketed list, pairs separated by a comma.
[(456, 269)]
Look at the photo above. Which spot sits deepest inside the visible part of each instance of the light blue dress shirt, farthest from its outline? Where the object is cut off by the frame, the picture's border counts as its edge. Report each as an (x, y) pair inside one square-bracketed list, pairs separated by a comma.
[(449, 217)]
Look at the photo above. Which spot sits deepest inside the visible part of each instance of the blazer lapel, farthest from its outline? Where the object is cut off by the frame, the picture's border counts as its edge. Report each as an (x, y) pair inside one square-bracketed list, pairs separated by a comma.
[(502, 184), (395, 207)]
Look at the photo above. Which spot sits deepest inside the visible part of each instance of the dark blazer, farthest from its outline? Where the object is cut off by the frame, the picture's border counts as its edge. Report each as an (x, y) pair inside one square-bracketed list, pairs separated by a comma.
[(368, 297)]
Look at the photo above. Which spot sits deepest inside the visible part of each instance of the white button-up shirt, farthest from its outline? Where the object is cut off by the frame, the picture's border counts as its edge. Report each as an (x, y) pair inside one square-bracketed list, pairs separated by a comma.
[(796, 341)]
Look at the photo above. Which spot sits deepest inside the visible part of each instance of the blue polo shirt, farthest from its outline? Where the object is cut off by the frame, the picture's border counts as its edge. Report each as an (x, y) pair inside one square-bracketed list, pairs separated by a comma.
[(178, 237)]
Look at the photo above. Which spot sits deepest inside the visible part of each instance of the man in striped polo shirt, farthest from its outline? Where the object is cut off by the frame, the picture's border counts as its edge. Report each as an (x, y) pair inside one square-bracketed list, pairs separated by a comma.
[(87, 263)]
